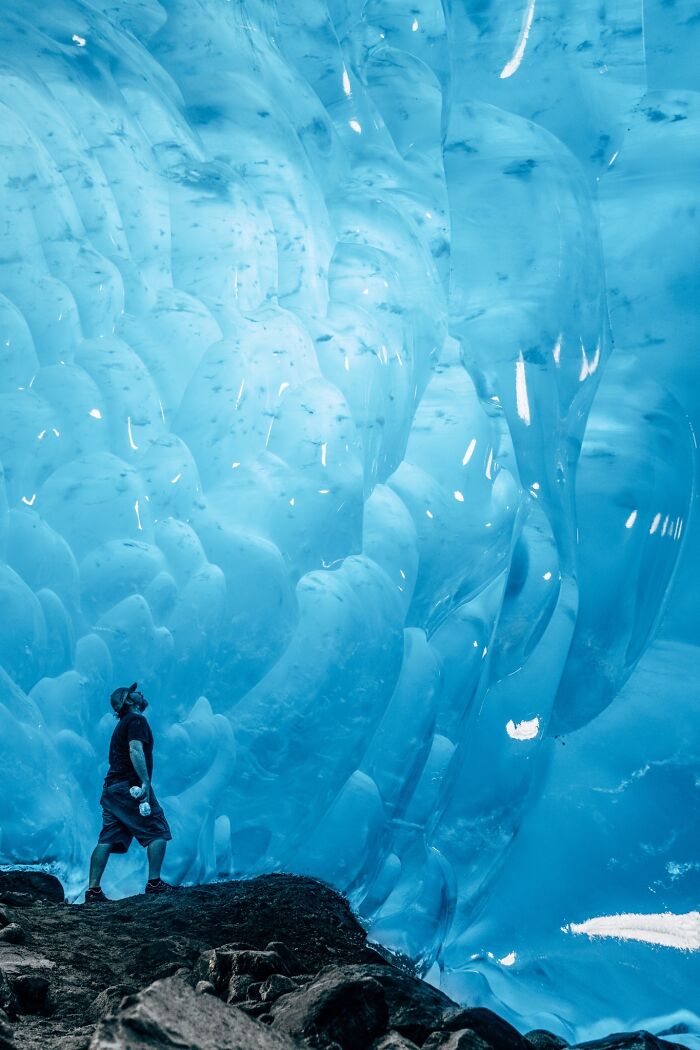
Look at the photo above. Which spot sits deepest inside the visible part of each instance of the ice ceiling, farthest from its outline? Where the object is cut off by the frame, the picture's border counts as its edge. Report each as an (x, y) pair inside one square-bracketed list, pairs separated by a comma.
[(347, 357)]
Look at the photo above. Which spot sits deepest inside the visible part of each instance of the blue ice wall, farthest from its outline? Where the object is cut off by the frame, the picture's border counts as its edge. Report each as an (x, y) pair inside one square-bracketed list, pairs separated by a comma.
[(347, 367)]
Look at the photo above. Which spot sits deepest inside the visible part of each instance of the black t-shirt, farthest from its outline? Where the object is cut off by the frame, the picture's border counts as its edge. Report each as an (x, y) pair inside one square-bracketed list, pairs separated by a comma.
[(131, 726)]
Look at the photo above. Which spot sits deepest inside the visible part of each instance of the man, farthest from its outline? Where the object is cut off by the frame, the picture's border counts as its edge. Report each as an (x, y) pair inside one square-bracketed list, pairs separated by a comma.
[(130, 765)]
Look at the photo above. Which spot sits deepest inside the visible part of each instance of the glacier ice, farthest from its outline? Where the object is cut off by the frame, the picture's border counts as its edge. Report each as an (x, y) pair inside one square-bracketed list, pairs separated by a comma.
[(347, 358)]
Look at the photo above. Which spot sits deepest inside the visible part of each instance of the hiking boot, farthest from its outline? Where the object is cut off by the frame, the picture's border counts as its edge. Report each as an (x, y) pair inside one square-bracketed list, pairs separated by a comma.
[(94, 895), (158, 886)]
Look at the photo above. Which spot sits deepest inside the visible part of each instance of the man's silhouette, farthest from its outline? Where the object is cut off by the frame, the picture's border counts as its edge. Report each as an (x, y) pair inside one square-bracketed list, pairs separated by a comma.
[(130, 765)]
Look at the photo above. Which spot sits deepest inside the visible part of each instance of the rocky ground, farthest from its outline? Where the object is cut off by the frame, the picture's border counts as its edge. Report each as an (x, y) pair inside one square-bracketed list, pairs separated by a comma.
[(274, 963)]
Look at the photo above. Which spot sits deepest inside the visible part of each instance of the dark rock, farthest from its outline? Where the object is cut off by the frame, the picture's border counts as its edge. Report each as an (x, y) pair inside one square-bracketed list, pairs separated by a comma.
[(415, 1008), (207, 968), (5, 917), (220, 964), (393, 1041), (541, 1039), (341, 1007), (257, 964), (629, 1041), (254, 1008), (26, 887), (13, 934), (487, 1025), (169, 1013), (7, 1041), (8, 1002), (287, 956), (238, 987), (462, 1040), (254, 990), (108, 1000), (205, 988), (31, 992), (275, 986)]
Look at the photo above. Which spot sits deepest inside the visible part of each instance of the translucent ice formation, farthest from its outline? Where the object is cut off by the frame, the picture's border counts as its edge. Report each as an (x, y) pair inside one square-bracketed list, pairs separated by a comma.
[(346, 355)]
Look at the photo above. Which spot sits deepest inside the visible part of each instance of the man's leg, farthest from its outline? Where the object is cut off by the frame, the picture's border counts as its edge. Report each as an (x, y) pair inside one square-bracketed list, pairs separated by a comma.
[(156, 852), (98, 863)]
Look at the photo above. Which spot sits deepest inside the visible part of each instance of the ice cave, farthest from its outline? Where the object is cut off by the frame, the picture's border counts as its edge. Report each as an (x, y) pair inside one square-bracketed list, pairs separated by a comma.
[(349, 380)]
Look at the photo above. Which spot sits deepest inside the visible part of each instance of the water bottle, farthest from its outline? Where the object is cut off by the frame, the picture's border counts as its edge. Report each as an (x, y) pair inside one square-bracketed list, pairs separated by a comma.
[(144, 808)]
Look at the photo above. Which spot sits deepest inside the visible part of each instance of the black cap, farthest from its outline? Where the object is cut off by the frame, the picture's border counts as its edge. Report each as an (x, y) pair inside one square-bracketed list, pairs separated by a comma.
[(121, 695)]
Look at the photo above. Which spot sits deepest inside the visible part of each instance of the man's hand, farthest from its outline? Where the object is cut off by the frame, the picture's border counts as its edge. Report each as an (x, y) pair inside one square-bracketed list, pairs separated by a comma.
[(138, 761)]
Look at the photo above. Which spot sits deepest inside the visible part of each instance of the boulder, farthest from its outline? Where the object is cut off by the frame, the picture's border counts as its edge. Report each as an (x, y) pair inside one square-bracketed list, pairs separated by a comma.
[(238, 987), (346, 1008), (541, 1039), (641, 1040), (275, 986), (219, 964), (205, 988), (208, 968), (7, 1041), (257, 964), (254, 1008), (415, 1009), (108, 1000), (393, 1041), (20, 888), (287, 956), (8, 1002), (487, 1025), (465, 1039), (5, 917), (170, 1013), (13, 934)]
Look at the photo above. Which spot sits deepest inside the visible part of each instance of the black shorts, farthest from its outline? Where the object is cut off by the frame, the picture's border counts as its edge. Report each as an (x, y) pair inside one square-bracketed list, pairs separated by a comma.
[(122, 822)]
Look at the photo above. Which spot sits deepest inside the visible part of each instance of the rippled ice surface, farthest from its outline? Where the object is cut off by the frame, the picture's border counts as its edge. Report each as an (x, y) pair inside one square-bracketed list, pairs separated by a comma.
[(347, 356)]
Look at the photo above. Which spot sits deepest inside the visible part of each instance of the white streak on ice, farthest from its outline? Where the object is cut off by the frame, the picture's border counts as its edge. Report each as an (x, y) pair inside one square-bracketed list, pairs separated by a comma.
[(667, 928), (470, 452), (131, 436), (521, 398), (513, 63)]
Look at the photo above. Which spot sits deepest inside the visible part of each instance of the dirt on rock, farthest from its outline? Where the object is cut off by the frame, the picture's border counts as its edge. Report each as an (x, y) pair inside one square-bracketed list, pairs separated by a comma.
[(92, 955)]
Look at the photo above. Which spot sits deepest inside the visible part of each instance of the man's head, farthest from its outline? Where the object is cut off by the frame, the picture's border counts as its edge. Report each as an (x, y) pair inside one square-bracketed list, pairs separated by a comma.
[(127, 699)]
